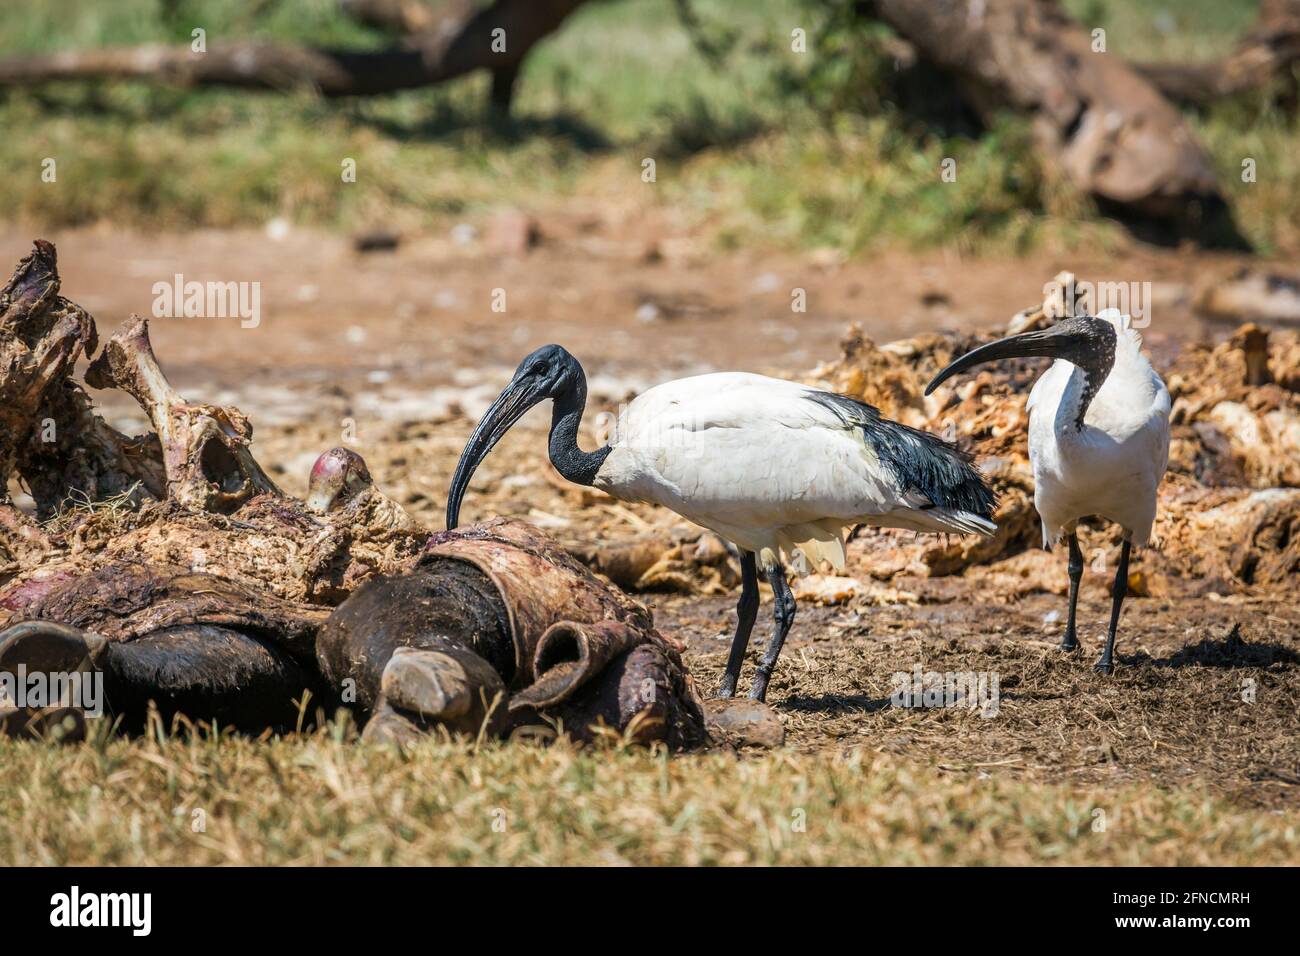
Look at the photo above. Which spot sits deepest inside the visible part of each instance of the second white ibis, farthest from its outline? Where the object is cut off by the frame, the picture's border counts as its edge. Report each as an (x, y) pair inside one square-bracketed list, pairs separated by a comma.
[(1098, 439), (774, 467)]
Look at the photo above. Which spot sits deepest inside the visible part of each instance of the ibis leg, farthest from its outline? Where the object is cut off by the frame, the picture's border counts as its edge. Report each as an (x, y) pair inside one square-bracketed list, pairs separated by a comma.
[(784, 617), (1070, 642), (746, 611), (1106, 663)]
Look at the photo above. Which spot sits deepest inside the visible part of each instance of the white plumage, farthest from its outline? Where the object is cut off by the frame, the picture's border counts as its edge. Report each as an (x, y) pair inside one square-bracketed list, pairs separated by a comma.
[(1098, 439), (1112, 466), (755, 460)]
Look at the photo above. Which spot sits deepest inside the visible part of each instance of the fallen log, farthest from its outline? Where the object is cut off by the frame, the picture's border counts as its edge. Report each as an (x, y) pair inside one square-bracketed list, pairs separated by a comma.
[(393, 16), (457, 39), (1096, 118)]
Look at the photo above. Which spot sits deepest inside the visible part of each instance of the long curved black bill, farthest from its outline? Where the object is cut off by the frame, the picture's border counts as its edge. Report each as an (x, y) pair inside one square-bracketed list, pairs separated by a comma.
[(1056, 342), (509, 407)]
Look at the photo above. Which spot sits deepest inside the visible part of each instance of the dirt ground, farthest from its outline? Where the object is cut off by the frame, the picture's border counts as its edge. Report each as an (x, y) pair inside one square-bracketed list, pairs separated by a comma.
[(397, 353), (635, 299), (1172, 715)]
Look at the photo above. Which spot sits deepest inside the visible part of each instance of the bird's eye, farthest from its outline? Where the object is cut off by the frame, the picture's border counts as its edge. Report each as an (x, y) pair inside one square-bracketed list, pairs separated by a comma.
[(539, 368)]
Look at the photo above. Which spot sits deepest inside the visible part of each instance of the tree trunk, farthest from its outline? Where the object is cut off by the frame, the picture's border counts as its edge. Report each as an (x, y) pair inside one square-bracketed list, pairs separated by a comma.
[(1112, 133), (456, 40)]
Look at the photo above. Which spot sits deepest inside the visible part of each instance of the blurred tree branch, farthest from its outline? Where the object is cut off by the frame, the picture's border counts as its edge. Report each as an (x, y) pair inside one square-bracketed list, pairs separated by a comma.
[(436, 46)]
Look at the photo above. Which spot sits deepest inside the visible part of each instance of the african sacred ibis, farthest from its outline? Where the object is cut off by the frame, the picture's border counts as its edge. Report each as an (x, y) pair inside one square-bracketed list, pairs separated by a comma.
[(769, 465), (1098, 439)]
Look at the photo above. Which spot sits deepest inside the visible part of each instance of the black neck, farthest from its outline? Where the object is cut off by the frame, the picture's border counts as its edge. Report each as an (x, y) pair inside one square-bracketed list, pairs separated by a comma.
[(1095, 357), (572, 462)]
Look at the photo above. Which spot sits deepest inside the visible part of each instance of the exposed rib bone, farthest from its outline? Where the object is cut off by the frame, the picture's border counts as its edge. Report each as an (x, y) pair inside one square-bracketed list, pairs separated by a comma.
[(205, 450)]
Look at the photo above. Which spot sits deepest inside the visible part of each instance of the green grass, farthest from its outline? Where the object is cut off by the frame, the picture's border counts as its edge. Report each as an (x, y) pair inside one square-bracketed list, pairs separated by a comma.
[(324, 800), (1157, 30), (745, 145)]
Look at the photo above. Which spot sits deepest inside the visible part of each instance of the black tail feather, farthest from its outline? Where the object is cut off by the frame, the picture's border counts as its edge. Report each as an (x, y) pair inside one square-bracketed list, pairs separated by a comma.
[(939, 470)]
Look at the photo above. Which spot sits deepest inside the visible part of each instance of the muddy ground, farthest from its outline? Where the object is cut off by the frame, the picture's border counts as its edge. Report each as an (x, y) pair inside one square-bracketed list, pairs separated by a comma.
[(397, 353)]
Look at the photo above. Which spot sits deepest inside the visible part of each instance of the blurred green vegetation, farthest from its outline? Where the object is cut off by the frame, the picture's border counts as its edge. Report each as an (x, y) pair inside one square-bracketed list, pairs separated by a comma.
[(764, 144)]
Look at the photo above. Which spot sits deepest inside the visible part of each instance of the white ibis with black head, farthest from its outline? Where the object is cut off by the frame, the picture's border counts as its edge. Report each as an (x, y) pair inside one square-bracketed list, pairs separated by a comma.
[(1098, 439), (772, 466)]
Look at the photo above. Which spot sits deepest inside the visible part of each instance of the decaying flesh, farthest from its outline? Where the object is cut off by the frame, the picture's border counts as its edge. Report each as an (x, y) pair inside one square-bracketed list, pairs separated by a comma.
[(206, 459), (205, 586), (50, 440), (192, 643), (560, 647), (188, 494)]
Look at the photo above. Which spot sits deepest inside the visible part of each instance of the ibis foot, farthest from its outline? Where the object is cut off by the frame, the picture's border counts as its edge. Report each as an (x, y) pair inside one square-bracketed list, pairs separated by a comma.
[(783, 618), (1119, 590), (1070, 641)]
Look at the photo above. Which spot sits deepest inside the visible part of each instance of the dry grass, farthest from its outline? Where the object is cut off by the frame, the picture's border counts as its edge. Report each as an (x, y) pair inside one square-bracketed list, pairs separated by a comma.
[(317, 800), (1166, 754), (1206, 695)]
